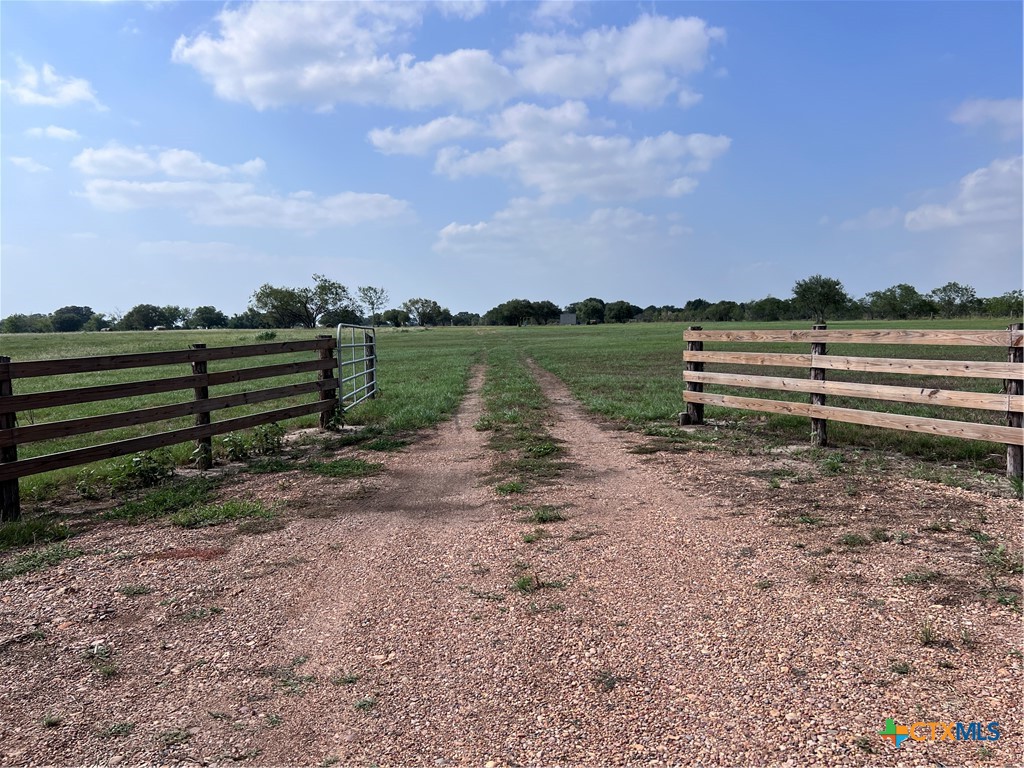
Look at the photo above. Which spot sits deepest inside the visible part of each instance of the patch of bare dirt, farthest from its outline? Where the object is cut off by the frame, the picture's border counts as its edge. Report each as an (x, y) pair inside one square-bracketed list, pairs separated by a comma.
[(694, 607)]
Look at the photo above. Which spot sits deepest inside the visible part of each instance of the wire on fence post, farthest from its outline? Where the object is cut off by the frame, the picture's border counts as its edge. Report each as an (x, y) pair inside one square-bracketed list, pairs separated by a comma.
[(694, 411), (10, 496), (819, 427), (204, 445), (1014, 453)]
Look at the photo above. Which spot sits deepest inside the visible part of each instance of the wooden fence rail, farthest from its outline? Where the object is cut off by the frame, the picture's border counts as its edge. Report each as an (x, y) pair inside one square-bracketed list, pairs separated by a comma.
[(1010, 400), (326, 387)]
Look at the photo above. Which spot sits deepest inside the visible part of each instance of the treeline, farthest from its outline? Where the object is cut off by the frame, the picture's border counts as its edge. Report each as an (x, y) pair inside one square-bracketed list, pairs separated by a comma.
[(816, 298), (327, 303)]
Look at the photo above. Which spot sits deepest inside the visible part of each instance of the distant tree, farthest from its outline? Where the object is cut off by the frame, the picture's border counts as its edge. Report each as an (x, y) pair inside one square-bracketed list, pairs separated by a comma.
[(374, 299), (511, 312), (620, 312), (588, 311), (285, 307), (143, 317), (347, 315), (723, 310), (70, 319), (97, 322), (424, 311), (249, 319), (818, 297), (208, 317), (175, 316), (466, 318), (953, 299), (899, 302), (1010, 305), (19, 323), (544, 312), (396, 317), (768, 309)]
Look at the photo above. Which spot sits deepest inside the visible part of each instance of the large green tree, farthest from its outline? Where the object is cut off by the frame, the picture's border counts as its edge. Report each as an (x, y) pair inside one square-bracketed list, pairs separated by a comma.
[(588, 311), (620, 312), (207, 317), (143, 317), (954, 299), (69, 319), (287, 307), (425, 311), (374, 299), (819, 297), (900, 302)]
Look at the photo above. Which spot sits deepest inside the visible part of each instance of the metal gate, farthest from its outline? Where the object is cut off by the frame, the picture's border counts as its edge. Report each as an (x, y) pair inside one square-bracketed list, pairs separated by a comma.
[(357, 365)]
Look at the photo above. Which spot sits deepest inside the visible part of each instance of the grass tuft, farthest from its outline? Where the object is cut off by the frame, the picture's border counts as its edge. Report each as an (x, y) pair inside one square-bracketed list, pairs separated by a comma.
[(36, 559), (218, 514), (344, 468)]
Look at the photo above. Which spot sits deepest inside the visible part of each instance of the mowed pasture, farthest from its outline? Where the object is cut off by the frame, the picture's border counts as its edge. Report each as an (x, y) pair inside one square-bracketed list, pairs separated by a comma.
[(629, 374)]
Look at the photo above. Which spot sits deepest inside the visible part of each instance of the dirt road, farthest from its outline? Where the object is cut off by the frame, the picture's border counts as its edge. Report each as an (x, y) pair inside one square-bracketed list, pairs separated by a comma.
[(684, 612)]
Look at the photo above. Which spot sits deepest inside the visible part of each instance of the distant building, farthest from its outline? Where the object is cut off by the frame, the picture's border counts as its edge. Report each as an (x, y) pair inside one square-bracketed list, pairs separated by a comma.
[(568, 318)]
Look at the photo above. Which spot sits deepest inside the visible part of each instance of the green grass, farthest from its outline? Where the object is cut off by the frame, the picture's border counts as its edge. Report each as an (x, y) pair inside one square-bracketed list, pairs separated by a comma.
[(166, 500), (218, 514), (344, 468), (31, 532), (36, 559), (515, 412)]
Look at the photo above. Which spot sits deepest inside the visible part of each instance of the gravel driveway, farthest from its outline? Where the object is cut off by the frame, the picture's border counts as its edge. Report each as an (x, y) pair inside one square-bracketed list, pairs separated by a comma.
[(689, 609)]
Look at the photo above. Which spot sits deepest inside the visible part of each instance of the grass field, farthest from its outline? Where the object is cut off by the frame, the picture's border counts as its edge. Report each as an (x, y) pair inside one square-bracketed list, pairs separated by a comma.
[(627, 373)]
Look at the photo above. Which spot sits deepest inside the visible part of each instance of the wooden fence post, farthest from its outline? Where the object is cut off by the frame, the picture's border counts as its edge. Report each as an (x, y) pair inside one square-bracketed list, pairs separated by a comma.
[(694, 411), (819, 427), (10, 498), (1015, 453), (327, 394), (370, 366), (204, 445)]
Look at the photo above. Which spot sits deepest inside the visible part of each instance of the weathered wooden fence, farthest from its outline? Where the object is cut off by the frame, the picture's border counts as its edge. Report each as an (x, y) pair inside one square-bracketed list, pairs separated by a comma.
[(13, 433), (1010, 400)]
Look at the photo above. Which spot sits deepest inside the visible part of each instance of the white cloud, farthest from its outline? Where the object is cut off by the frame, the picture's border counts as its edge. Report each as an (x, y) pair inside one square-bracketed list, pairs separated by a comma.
[(419, 139), (324, 54), (526, 230), (28, 164), (987, 196), (186, 164), (469, 78), (544, 153), (876, 218), (209, 195), (234, 204), (53, 132), (118, 160), (114, 160), (44, 87), (463, 9), (638, 65), (254, 167), (1004, 114), (551, 13)]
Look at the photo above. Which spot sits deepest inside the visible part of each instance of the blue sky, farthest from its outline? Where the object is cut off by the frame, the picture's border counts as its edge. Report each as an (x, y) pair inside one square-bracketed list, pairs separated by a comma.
[(471, 152)]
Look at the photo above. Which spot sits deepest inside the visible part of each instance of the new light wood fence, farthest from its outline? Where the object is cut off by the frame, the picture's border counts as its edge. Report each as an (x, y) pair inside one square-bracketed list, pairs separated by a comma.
[(1009, 400), (14, 432)]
